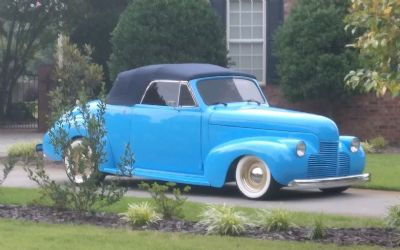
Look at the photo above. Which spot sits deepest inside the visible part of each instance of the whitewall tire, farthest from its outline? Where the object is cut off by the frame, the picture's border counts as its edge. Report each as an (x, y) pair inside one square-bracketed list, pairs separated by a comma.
[(73, 156), (253, 178)]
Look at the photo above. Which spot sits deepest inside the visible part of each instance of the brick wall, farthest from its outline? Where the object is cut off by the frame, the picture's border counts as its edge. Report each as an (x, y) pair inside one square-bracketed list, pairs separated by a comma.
[(365, 116)]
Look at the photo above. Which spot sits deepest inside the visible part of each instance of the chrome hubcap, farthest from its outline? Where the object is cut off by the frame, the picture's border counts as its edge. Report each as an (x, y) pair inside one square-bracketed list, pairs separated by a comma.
[(77, 163), (254, 176)]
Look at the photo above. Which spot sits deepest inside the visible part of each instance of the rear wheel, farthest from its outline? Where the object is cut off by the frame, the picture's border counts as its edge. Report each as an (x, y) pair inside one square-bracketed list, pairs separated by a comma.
[(336, 190), (78, 164), (254, 178)]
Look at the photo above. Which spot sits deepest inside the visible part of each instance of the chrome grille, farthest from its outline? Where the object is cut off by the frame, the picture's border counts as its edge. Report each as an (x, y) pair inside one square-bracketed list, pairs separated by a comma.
[(344, 164), (325, 164)]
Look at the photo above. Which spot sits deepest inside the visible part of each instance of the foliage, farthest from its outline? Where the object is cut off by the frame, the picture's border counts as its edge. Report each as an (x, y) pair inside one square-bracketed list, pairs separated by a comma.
[(310, 46), (92, 24), (25, 26), (368, 148), (223, 220), (140, 214), (167, 31), (168, 207), (75, 74), (375, 145), (393, 217), (377, 24), (19, 152), (318, 229), (87, 118), (274, 220), (25, 151), (379, 143)]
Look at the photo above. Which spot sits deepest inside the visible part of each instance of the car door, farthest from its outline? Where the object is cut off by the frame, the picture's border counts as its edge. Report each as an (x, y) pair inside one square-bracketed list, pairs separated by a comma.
[(166, 129)]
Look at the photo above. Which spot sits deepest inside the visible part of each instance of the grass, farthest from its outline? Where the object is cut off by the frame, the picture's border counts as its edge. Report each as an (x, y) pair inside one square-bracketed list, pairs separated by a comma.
[(29, 235), (385, 171), (192, 210)]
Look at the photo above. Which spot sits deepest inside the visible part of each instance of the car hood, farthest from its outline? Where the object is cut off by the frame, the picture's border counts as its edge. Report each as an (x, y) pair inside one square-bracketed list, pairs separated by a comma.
[(263, 117)]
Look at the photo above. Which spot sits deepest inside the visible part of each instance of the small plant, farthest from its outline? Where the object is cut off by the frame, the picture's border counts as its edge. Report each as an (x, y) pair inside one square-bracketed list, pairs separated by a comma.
[(274, 220), (140, 214), (223, 220), (318, 229), (379, 143), (368, 148), (169, 207), (393, 218), (24, 152)]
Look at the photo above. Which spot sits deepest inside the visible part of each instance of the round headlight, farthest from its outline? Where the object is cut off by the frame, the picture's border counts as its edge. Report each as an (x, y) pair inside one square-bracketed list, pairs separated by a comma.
[(301, 149), (355, 145)]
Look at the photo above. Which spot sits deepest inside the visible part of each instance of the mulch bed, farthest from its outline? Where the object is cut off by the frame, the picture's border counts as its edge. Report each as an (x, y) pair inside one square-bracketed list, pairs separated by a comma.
[(340, 236)]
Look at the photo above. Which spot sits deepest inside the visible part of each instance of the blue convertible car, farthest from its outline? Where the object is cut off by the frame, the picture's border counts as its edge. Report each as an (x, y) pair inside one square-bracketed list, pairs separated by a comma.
[(207, 125)]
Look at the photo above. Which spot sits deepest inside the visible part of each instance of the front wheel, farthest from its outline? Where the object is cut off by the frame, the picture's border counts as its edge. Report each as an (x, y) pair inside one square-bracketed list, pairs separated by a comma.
[(254, 178), (78, 165)]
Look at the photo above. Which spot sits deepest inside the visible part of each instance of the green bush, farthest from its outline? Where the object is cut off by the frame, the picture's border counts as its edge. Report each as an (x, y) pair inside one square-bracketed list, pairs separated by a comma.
[(311, 50), (140, 214), (167, 31), (274, 220), (23, 151), (379, 143), (168, 207), (368, 148), (223, 220), (318, 229), (393, 218)]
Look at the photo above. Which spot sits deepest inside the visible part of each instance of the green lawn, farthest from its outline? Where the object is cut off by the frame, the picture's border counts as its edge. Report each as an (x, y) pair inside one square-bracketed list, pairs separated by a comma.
[(29, 235), (191, 210), (385, 170)]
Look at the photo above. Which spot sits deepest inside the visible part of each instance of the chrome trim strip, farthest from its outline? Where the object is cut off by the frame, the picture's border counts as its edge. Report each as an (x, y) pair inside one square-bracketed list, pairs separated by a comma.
[(331, 182)]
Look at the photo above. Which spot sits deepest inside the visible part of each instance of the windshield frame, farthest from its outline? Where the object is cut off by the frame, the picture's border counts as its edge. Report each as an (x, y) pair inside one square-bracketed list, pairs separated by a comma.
[(196, 82)]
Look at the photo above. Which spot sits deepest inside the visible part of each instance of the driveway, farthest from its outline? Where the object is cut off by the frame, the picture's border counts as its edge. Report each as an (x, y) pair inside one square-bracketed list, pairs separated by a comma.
[(358, 202)]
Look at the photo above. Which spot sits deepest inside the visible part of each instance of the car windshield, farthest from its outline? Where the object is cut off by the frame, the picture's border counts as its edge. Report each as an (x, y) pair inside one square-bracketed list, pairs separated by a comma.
[(227, 90)]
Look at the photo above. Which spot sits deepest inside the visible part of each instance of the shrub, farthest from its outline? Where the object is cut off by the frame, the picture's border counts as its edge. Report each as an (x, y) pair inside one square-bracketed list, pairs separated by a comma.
[(22, 151), (88, 120), (140, 214), (312, 57), (393, 218), (318, 229), (223, 220), (379, 143), (169, 207), (274, 220), (368, 148), (167, 31)]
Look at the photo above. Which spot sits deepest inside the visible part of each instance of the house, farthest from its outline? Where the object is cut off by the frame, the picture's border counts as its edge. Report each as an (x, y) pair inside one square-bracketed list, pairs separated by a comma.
[(250, 26)]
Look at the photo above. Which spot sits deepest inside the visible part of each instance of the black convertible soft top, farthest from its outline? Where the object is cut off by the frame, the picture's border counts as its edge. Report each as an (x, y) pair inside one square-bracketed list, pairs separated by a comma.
[(130, 85)]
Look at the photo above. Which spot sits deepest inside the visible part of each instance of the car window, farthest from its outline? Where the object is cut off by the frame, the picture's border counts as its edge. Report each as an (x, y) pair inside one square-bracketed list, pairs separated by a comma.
[(226, 90), (185, 98), (162, 94)]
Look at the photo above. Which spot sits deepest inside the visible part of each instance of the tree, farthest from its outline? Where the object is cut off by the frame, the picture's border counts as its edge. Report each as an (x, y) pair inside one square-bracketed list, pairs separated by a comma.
[(96, 20), (24, 26), (310, 46), (75, 73), (167, 31), (378, 25)]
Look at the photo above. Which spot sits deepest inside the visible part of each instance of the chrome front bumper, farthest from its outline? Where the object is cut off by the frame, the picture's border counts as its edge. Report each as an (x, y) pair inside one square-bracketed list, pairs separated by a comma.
[(331, 182)]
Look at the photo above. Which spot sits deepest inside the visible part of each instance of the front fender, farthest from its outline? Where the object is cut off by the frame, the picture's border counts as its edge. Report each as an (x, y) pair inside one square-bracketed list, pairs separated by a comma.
[(277, 153), (74, 130)]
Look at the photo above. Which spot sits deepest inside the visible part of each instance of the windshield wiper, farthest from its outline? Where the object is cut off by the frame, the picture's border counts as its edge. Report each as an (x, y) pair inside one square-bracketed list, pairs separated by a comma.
[(223, 103), (252, 100)]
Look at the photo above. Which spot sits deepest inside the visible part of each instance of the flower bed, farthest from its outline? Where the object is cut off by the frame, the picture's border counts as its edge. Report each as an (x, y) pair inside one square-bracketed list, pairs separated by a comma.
[(341, 236)]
